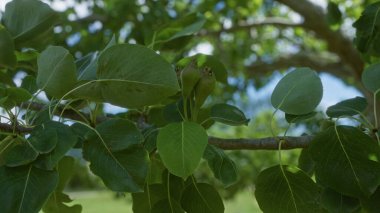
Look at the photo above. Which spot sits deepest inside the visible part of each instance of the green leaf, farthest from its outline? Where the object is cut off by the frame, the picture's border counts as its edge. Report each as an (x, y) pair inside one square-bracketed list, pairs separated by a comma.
[(27, 55), (66, 139), (299, 118), (367, 30), (56, 71), (164, 206), (305, 162), (172, 113), (334, 16), (57, 200), (286, 189), (119, 134), (6, 78), (156, 169), (174, 184), (29, 83), (127, 79), (5, 144), (228, 114), (298, 97), (123, 170), (346, 161), (65, 170), (204, 117), (188, 140), (185, 26), (25, 189), (335, 202), (156, 116), (201, 197), (88, 65), (221, 165), (29, 29), (81, 132), (150, 141), (20, 152), (371, 77), (15, 96), (56, 203), (43, 139), (347, 107), (144, 201), (372, 204), (7, 55)]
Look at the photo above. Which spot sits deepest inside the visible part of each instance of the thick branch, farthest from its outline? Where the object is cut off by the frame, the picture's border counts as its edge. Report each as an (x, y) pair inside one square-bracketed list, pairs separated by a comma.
[(17, 129), (314, 20), (92, 18), (269, 143), (226, 144), (315, 62), (273, 21)]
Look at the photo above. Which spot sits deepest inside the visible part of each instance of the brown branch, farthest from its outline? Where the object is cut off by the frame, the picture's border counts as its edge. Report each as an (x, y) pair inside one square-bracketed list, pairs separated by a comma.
[(273, 21), (269, 143), (17, 129), (316, 62), (315, 20), (92, 18), (68, 113)]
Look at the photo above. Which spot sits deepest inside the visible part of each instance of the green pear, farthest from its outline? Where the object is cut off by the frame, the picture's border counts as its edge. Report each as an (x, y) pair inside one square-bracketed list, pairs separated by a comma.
[(190, 76), (204, 87)]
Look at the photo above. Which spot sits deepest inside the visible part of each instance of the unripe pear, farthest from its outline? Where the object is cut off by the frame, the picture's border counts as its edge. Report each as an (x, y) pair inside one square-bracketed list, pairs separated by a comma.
[(7, 55), (204, 87), (190, 76)]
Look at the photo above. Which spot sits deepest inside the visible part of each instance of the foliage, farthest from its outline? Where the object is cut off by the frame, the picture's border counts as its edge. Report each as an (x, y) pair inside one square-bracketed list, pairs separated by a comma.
[(154, 149)]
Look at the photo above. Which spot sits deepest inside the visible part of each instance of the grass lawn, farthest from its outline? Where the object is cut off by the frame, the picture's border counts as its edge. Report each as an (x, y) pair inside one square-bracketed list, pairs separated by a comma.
[(105, 202)]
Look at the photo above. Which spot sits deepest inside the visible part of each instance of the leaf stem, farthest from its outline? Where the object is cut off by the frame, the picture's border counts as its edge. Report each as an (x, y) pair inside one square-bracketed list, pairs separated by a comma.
[(271, 123), (375, 108), (168, 188), (185, 108)]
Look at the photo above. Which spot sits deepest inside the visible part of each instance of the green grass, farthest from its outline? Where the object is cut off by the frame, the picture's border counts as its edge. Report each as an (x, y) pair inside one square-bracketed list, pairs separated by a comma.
[(105, 201)]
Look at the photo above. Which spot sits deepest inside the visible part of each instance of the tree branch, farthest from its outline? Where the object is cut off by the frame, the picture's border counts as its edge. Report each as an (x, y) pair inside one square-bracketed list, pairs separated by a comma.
[(315, 62), (68, 113), (315, 20), (17, 129), (269, 143), (92, 18), (272, 21)]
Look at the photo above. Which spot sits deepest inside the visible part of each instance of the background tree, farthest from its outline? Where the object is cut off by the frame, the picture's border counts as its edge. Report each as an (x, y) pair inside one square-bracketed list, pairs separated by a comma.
[(146, 57)]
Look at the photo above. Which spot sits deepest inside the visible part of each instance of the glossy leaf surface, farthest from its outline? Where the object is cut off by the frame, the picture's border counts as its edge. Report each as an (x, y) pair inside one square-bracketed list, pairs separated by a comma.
[(286, 190), (347, 107), (201, 197), (346, 160), (19, 186), (188, 140), (56, 71), (228, 114), (223, 168), (298, 97)]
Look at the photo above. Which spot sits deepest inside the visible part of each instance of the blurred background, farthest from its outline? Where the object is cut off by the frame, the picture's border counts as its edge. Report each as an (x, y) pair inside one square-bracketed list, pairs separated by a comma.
[(257, 40)]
